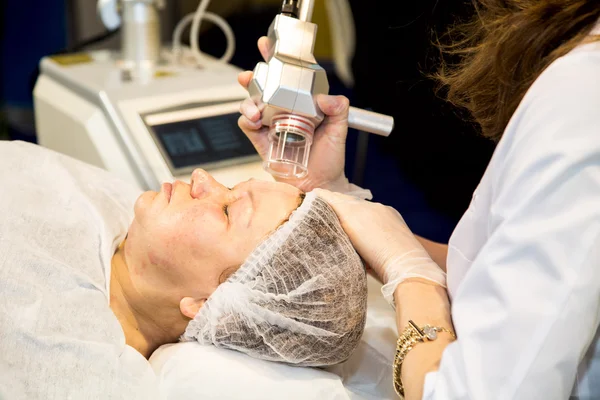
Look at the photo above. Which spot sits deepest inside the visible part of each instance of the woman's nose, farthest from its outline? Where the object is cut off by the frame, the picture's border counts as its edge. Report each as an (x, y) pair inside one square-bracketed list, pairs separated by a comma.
[(204, 184)]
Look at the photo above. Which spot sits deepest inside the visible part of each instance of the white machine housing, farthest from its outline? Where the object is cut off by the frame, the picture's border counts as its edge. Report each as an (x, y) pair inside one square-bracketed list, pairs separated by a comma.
[(87, 108)]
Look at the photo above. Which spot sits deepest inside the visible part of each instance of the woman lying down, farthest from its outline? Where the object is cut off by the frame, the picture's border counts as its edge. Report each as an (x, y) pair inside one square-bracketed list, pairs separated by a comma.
[(94, 276)]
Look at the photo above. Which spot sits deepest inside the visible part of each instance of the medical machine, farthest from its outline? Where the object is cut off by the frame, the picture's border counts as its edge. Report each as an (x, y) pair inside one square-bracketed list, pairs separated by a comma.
[(146, 113), (151, 114), (285, 87)]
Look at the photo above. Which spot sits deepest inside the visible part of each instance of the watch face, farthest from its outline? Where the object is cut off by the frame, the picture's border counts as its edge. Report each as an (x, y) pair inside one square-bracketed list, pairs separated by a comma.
[(430, 332)]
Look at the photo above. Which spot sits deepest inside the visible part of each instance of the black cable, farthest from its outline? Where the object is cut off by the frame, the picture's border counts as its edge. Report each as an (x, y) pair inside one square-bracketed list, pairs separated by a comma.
[(70, 17)]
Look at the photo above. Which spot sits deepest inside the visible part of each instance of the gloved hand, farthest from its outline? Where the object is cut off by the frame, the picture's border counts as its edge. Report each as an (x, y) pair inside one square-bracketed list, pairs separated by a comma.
[(327, 155), (384, 241)]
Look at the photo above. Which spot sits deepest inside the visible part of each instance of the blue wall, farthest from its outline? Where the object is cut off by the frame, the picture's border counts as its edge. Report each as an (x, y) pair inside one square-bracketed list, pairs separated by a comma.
[(29, 30)]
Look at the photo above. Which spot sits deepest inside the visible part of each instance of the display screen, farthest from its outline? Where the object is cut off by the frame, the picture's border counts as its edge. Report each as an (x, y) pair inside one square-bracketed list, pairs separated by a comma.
[(204, 140), (183, 142)]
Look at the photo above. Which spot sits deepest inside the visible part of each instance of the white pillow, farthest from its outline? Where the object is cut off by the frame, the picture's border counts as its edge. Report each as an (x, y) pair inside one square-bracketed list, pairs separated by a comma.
[(191, 371)]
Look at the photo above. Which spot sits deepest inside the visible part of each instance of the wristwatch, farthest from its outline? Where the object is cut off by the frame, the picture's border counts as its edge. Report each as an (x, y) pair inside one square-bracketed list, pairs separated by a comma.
[(412, 335)]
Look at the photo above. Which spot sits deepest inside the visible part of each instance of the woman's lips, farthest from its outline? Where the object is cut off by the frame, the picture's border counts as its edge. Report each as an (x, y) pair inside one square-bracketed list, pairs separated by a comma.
[(167, 188)]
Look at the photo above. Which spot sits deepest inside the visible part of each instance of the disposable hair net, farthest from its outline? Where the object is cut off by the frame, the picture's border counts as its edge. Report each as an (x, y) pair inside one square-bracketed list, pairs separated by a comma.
[(300, 297)]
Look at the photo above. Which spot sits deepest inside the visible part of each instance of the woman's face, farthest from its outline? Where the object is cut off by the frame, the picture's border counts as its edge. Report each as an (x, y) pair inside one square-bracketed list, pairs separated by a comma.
[(188, 238)]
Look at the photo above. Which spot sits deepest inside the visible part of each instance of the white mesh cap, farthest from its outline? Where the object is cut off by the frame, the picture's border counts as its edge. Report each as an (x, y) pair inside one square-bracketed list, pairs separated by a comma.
[(300, 297)]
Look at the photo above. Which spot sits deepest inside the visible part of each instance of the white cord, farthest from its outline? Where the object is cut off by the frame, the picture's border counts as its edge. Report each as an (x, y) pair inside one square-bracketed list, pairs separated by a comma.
[(343, 37), (196, 18)]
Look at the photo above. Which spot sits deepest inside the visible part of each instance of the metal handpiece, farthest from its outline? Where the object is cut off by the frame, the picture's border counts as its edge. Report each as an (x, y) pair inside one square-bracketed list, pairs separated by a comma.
[(305, 10), (285, 88), (372, 122)]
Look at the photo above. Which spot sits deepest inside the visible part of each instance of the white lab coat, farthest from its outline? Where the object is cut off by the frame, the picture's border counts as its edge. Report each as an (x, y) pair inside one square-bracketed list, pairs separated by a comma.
[(524, 261)]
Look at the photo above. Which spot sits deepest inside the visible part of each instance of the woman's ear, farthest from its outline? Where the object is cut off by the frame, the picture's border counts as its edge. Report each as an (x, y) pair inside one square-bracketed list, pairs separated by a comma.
[(190, 306)]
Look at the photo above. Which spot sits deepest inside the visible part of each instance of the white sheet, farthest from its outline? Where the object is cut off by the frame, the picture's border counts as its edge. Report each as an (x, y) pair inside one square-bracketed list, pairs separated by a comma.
[(60, 222)]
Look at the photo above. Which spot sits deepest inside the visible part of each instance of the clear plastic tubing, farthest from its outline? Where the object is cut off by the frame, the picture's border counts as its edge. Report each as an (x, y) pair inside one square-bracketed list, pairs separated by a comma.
[(290, 138)]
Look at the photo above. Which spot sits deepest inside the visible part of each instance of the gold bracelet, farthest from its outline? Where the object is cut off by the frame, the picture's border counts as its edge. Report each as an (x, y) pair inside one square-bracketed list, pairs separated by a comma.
[(412, 335)]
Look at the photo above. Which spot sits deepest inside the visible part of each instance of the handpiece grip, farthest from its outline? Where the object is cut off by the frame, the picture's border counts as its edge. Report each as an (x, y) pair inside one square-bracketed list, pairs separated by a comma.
[(371, 122)]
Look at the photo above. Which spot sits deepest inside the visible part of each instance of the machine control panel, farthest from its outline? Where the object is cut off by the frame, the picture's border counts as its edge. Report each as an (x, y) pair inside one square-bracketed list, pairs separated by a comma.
[(200, 136)]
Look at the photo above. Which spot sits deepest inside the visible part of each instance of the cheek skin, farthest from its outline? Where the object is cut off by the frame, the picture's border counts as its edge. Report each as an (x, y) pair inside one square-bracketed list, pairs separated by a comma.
[(184, 248), (184, 238), (169, 247)]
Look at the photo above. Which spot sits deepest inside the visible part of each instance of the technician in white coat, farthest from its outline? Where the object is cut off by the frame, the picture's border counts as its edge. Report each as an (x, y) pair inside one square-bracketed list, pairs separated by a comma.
[(523, 265)]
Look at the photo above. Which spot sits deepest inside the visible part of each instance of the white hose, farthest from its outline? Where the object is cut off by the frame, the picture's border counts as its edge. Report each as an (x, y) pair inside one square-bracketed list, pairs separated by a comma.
[(196, 18), (343, 38)]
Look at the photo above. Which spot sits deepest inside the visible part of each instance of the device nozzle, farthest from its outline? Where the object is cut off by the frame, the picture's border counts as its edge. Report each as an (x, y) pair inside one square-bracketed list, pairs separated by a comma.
[(290, 138)]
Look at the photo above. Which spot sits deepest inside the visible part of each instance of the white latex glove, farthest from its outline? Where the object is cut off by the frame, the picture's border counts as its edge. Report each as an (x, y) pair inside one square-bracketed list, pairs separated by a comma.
[(328, 151), (384, 241)]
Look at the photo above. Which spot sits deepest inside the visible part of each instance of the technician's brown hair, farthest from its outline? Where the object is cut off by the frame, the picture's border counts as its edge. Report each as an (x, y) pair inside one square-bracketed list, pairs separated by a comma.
[(505, 48)]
